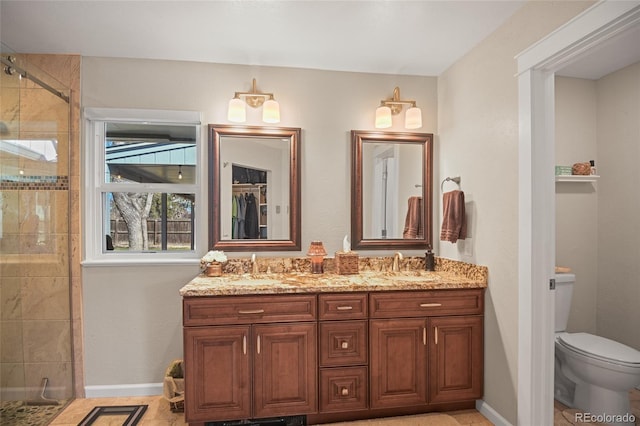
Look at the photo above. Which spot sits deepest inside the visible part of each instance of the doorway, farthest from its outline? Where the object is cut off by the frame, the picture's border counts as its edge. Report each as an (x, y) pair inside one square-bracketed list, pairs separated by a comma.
[(536, 73)]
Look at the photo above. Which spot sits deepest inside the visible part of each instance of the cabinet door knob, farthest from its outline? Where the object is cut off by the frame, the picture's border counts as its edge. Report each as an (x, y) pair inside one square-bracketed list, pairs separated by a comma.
[(344, 392), (344, 345)]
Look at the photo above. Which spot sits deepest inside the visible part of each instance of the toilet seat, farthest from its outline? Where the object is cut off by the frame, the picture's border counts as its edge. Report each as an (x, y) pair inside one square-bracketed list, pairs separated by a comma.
[(600, 348)]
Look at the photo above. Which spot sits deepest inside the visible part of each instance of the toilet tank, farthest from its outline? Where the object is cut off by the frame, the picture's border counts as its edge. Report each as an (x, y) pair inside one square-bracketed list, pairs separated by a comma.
[(563, 291)]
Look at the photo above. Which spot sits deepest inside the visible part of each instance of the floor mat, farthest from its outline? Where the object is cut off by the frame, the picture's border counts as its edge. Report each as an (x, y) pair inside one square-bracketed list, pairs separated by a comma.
[(131, 414)]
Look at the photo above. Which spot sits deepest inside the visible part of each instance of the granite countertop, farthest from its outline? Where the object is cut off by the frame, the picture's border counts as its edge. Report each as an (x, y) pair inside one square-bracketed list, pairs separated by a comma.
[(448, 275)]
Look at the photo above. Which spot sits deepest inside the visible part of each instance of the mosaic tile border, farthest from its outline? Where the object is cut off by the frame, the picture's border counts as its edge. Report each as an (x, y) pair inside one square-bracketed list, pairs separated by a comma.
[(34, 183)]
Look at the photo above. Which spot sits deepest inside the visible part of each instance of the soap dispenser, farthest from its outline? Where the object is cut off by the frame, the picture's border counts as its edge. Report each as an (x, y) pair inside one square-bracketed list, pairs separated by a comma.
[(430, 261)]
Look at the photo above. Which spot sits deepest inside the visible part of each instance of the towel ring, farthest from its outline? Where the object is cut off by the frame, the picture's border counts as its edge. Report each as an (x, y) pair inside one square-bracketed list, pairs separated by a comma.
[(450, 179)]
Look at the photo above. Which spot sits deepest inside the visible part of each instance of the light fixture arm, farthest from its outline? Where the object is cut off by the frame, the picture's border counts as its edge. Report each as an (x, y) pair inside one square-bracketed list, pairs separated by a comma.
[(395, 103), (254, 98)]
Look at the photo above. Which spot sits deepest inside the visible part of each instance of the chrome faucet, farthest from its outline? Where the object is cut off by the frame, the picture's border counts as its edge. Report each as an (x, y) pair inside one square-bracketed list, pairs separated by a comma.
[(396, 262)]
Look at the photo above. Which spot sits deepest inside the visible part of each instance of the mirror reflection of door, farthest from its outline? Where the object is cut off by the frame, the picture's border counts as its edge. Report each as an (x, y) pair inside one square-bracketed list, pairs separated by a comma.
[(392, 175), (384, 193)]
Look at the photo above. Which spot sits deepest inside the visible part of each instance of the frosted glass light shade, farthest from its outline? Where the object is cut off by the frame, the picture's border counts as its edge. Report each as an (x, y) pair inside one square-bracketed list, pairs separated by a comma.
[(383, 117), (413, 118), (271, 111), (237, 111)]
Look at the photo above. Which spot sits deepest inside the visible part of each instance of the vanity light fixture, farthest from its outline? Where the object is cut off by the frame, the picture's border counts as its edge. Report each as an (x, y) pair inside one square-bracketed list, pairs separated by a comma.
[(393, 106), (237, 111)]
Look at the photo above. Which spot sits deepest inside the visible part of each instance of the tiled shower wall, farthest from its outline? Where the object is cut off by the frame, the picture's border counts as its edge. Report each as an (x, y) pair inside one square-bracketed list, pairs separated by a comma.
[(40, 291)]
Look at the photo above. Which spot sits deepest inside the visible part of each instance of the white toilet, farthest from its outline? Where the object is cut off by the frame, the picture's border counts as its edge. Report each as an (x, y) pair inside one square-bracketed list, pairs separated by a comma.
[(592, 374)]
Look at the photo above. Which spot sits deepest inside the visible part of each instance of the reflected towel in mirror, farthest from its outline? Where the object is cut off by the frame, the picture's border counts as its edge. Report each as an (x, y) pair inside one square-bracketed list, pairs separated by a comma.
[(413, 227)]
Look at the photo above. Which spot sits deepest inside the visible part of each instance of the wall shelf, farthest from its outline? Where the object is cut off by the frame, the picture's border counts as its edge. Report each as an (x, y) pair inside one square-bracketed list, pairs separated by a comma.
[(577, 178)]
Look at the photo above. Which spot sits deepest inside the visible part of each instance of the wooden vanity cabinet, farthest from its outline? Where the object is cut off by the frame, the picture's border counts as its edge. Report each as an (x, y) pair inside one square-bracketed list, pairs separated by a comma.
[(426, 347), (332, 356), (249, 357)]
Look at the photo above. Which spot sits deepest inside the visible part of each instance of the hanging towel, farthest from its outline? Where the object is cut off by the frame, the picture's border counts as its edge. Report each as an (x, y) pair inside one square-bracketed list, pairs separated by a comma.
[(454, 221), (413, 227)]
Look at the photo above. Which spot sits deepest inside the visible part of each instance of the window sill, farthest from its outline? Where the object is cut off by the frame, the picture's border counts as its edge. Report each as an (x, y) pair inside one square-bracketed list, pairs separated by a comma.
[(138, 261)]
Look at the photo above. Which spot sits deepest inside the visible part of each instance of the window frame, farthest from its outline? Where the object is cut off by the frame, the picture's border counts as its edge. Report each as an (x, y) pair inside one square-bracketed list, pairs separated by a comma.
[(93, 172)]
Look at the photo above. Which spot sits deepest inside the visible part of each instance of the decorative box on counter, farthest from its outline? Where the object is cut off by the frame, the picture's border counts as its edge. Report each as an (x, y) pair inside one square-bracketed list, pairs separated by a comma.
[(347, 262)]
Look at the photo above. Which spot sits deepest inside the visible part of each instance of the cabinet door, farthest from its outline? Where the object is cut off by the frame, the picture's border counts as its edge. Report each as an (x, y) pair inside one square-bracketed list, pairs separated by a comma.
[(217, 384), (456, 358), (398, 362), (285, 369)]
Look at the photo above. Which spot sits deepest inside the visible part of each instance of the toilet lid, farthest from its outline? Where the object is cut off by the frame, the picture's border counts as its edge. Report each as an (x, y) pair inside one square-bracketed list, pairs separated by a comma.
[(599, 347)]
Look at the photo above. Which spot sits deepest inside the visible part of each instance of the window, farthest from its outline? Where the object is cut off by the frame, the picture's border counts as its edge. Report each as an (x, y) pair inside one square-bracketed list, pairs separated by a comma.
[(143, 183)]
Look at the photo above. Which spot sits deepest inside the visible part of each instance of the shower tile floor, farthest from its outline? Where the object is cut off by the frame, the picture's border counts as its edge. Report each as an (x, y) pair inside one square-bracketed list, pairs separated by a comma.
[(16, 413)]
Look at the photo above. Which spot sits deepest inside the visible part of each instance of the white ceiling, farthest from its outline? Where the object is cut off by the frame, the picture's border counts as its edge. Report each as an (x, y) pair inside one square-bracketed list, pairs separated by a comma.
[(392, 37), (418, 37), (609, 56)]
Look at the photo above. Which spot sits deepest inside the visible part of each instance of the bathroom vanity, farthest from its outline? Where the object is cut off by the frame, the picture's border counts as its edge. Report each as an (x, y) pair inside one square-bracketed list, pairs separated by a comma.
[(333, 347)]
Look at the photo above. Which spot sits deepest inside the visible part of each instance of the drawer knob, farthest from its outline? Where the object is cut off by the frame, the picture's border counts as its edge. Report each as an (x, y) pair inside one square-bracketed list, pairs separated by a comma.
[(344, 345), (344, 392)]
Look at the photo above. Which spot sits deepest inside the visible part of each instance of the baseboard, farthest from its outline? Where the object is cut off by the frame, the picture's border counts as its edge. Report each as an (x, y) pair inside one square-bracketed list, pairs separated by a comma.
[(104, 391), (492, 415)]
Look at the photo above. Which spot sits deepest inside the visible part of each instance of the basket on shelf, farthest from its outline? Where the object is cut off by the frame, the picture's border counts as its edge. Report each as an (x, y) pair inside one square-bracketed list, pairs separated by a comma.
[(581, 169)]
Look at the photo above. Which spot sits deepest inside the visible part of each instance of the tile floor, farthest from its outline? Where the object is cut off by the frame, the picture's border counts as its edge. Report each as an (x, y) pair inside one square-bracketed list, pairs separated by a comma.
[(564, 416), (159, 414)]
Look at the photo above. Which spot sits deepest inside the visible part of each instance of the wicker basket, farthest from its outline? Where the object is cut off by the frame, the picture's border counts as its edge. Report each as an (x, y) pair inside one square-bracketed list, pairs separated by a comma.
[(581, 169), (173, 386), (347, 262)]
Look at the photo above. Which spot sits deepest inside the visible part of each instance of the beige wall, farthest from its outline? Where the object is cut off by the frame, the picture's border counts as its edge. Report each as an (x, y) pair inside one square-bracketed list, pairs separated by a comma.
[(478, 140), (618, 315), (133, 315), (577, 203)]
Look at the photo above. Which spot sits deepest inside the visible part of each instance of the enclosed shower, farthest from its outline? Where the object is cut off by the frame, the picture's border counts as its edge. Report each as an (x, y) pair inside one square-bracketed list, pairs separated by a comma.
[(36, 349)]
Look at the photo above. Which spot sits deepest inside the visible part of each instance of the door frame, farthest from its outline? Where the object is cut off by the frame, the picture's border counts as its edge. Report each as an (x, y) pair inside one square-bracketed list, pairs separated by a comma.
[(536, 252)]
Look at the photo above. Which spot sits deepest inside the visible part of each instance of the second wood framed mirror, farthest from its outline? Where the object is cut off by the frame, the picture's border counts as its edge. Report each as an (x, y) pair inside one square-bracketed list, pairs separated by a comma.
[(391, 190), (254, 188)]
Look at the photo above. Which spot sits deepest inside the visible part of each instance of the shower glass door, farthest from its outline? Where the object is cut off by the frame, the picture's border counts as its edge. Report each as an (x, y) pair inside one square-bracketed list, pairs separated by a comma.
[(36, 376)]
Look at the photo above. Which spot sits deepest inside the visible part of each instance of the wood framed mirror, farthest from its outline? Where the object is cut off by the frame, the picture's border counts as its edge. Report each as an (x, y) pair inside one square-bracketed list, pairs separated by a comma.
[(254, 188), (391, 190)]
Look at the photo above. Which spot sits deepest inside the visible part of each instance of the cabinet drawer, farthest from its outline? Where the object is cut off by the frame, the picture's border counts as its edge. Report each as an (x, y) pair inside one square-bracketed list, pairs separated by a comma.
[(343, 343), (342, 306), (343, 389), (426, 303), (198, 311)]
